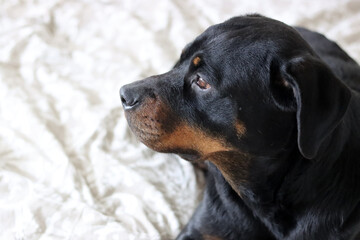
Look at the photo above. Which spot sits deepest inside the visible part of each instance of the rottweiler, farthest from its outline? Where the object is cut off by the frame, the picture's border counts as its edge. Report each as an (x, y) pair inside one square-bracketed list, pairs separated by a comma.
[(274, 113)]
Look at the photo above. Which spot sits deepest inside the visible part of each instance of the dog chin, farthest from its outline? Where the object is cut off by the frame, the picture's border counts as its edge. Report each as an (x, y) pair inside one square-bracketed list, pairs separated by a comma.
[(149, 138), (155, 143)]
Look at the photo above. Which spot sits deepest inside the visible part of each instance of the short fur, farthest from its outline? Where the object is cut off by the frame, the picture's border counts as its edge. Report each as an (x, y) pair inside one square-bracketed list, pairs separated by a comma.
[(274, 113)]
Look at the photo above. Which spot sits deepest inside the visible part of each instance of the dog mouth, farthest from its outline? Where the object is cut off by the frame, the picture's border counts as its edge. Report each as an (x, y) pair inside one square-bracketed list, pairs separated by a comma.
[(145, 131), (156, 125), (151, 123), (154, 137)]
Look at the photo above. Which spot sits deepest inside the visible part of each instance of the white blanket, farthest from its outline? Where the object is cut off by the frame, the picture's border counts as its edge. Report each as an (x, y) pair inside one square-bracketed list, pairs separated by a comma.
[(69, 166)]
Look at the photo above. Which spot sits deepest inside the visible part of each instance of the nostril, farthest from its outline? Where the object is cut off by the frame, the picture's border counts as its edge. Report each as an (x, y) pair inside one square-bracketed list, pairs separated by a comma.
[(129, 102), (123, 100), (128, 98)]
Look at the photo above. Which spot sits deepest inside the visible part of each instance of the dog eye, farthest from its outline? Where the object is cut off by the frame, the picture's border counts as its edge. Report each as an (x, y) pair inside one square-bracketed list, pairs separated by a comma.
[(201, 83)]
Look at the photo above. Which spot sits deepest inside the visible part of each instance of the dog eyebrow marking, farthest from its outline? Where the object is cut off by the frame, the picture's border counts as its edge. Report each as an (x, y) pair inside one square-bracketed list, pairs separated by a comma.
[(240, 128), (196, 61), (210, 237)]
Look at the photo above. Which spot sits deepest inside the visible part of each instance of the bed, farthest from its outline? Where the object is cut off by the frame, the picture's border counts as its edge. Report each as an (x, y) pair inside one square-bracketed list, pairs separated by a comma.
[(70, 168)]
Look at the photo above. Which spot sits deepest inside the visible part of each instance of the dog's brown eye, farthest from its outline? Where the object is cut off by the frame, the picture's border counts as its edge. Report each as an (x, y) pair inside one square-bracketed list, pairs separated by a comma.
[(201, 83)]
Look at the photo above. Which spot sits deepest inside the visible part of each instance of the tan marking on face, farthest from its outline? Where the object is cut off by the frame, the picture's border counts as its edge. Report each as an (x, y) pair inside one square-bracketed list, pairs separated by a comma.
[(240, 128), (211, 237), (160, 129), (196, 61), (145, 121), (188, 137)]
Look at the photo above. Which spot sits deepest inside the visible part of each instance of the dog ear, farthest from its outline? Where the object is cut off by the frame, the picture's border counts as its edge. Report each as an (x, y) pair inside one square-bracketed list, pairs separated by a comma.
[(319, 98)]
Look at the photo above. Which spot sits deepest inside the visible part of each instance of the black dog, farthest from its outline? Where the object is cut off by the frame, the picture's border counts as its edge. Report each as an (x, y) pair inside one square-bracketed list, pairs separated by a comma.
[(274, 112)]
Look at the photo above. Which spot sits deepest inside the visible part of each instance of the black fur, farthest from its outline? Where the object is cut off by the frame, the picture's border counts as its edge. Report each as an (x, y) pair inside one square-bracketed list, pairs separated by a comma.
[(295, 172)]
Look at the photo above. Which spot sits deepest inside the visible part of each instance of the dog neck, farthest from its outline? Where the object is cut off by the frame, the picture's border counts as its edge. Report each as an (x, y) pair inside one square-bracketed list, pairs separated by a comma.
[(268, 184), (253, 177), (256, 181)]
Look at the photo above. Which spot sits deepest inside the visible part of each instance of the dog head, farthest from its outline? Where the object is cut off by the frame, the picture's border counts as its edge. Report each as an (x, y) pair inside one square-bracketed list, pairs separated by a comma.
[(250, 85)]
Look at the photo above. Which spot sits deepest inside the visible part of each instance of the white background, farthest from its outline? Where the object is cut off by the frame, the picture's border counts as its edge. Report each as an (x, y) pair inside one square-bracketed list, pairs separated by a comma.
[(69, 166)]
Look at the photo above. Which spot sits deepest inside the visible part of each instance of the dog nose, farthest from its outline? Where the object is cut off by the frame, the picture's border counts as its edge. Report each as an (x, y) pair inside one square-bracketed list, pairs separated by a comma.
[(129, 97)]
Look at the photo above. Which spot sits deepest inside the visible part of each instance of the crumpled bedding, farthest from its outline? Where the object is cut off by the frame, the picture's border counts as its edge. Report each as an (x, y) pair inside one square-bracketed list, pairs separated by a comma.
[(69, 166)]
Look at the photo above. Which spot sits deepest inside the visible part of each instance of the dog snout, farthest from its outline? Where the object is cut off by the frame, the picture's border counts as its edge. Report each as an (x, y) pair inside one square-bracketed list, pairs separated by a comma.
[(130, 97)]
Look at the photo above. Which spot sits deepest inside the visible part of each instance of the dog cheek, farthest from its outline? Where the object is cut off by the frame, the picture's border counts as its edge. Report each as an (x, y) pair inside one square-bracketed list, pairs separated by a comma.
[(186, 136)]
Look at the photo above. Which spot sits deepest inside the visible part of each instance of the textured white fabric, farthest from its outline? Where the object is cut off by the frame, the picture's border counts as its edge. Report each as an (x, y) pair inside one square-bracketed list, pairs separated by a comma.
[(69, 166)]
